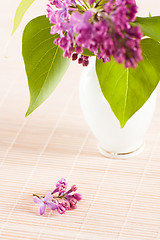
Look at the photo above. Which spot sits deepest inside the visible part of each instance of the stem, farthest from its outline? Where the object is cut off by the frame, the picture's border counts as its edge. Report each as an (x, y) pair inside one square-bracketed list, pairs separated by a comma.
[(97, 4), (81, 8), (59, 197), (86, 5), (35, 195), (82, 4), (63, 196)]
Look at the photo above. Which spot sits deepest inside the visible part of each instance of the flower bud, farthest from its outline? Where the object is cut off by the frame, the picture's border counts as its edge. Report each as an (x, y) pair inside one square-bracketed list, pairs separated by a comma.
[(74, 56), (85, 63), (77, 196), (74, 188), (66, 204), (61, 209), (73, 203), (80, 60)]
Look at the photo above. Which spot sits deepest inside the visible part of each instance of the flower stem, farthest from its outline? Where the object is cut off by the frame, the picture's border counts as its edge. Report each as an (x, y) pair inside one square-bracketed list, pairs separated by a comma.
[(86, 5), (82, 4), (97, 4), (62, 196), (35, 195)]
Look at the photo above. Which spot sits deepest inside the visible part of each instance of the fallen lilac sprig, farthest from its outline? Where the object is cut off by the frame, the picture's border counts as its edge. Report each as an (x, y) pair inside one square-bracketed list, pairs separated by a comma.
[(59, 199)]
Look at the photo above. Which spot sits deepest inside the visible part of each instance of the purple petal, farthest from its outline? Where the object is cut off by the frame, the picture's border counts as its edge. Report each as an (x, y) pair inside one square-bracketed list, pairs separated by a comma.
[(48, 197), (87, 15), (65, 26), (52, 205), (63, 180), (72, 9), (77, 196), (76, 18), (58, 4), (37, 200), (42, 209), (61, 209), (91, 1)]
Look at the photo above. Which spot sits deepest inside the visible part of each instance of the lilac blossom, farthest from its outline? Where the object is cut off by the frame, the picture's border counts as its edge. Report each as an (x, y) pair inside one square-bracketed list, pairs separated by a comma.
[(72, 189), (74, 56), (61, 208), (77, 196), (84, 60), (102, 28), (61, 186), (66, 204), (59, 199), (73, 203), (45, 202)]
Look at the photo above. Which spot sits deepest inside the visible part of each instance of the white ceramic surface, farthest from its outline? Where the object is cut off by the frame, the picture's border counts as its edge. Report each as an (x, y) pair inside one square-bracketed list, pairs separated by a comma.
[(114, 141)]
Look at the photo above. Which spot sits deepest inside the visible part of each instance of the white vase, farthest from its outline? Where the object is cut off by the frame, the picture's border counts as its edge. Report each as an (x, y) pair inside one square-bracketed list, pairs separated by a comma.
[(114, 141)]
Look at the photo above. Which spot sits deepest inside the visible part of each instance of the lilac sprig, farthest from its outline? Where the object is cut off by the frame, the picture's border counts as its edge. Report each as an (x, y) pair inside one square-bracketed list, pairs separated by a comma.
[(59, 199), (102, 27)]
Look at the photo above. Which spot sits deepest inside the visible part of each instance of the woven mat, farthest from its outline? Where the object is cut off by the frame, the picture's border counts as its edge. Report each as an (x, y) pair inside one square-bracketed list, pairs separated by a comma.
[(121, 198)]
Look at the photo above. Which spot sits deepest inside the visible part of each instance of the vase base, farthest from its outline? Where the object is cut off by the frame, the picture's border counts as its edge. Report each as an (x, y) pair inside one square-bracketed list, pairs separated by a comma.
[(122, 155)]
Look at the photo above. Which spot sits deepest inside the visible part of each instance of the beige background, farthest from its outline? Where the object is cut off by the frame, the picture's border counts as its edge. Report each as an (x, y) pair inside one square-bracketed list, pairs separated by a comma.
[(121, 197)]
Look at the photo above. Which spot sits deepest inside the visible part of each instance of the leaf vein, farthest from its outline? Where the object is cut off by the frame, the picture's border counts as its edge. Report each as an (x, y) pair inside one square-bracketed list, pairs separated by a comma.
[(40, 31), (47, 75), (40, 45), (126, 95), (41, 60)]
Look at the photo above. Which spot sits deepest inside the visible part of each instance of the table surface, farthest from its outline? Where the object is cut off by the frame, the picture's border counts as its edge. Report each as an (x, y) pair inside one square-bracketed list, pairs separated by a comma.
[(121, 198)]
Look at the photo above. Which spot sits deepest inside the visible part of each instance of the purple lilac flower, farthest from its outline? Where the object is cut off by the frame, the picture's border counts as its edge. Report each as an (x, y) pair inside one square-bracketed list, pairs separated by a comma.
[(116, 32), (74, 56), (91, 1), (108, 7), (61, 186), (60, 20), (73, 203), (84, 60), (105, 31), (61, 209), (63, 10), (72, 189), (82, 27), (60, 182), (63, 200), (66, 204), (45, 202), (77, 196)]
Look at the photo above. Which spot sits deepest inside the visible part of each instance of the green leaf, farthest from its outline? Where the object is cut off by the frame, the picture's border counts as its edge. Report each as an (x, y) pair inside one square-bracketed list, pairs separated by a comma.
[(22, 8), (44, 62), (127, 90), (150, 26), (87, 52)]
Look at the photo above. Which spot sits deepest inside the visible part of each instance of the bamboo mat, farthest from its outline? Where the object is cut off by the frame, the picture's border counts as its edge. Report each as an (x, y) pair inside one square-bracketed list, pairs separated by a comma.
[(121, 198)]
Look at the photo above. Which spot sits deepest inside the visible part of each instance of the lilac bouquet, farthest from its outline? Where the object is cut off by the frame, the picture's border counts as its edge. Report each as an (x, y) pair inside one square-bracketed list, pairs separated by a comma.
[(101, 27), (124, 45), (59, 199)]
